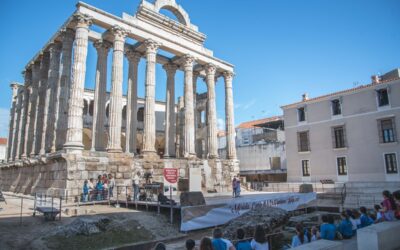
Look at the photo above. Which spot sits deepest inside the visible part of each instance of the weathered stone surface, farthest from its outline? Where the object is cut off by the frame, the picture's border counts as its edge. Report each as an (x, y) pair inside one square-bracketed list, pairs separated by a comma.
[(192, 199), (269, 218)]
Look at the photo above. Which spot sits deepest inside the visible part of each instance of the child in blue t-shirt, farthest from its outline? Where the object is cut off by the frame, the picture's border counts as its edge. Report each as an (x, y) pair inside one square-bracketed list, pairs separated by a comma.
[(345, 227), (85, 191), (242, 244), (365, 219), (327, 229)]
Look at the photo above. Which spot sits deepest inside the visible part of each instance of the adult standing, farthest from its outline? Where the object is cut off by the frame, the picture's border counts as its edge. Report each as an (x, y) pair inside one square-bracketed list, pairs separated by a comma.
[(111, 185), (234, 186), (135, 186)]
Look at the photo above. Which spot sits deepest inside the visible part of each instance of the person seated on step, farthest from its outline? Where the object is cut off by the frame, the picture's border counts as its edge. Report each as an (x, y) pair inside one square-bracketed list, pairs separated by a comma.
[(300, 238), (364, 218), (164, 200), (327, 228)]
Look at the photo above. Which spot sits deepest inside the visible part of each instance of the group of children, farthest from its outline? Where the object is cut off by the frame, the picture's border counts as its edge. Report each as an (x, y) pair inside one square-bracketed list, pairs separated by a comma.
[(98, 191), (351, 220)]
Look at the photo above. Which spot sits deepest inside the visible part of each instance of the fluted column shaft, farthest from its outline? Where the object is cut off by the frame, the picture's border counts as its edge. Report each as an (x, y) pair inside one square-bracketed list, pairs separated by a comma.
[(229, 116), (25, 115), (99, 110), (34, 108), (61, 121), (149, 134), (49, 105), (132, 106), (211, 114), (14, 88), (74, 138), (189, 135), (170, 117), (17, 124), (39, 120), (114, 143)]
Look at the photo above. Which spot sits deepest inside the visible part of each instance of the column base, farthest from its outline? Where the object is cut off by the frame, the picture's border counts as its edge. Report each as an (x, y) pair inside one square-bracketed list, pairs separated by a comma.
[(149, 155), (73, 147), (114, 150)]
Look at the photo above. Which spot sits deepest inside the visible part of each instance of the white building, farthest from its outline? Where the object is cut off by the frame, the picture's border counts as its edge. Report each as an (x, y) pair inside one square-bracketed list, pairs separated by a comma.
[(349, 135)]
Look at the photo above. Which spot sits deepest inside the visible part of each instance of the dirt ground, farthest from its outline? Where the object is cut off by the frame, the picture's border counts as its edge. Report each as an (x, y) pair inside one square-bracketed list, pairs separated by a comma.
[(126, 226)]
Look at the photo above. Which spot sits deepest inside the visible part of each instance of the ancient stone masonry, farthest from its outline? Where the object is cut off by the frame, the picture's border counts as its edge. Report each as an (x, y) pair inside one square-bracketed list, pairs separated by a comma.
[(53, 148)]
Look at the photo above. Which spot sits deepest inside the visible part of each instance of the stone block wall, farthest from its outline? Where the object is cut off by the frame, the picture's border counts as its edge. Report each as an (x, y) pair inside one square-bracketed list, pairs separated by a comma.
[(64, 174)]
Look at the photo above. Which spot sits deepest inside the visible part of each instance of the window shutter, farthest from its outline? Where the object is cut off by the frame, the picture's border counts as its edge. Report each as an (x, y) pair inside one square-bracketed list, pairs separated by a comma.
[(394, 129), (298, 142), (346, 145), (380, 131), (308, 141), (333, 137)]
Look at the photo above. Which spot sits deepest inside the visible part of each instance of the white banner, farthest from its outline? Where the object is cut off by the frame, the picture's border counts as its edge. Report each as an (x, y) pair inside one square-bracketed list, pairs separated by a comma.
[(219, 213)]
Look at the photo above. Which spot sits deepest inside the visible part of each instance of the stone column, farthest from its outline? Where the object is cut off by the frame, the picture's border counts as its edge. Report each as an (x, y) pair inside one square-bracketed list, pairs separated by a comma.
[(149, 134), (74, 140), (99, 110), (196, 115), (17, 124), (211, 114), (230, 121), (24, 112), (34, 110), (49, 104), (189, 135), (39, 120), (28, 112), (64, 89), (114, 142), (14, 88), (170, 117), (132, 106)]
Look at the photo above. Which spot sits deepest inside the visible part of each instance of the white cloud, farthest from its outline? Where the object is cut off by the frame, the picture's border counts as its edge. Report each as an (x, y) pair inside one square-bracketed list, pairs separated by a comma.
[(4, 119), (249, 104)]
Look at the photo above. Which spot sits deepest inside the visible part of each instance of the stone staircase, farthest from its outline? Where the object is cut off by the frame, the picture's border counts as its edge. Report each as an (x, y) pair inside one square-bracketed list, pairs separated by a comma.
[(367, 194)]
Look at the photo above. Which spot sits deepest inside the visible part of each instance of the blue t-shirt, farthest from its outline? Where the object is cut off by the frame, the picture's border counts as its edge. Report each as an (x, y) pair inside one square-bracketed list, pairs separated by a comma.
[(296, 241), (328, 231), (346, 228), (243, 245), (365, 220), (219, 244), (85, 189), (99, 186)]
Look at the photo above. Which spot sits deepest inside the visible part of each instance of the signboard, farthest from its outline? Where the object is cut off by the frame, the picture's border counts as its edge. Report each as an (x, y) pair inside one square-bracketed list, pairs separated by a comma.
[(171, 175)]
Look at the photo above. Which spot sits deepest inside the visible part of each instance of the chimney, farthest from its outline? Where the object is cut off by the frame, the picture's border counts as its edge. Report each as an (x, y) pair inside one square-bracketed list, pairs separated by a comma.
[(305, 97), (375, 79)]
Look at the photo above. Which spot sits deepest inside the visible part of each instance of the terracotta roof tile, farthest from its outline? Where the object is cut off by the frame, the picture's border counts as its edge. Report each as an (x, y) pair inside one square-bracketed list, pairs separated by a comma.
[(3, 141), (252, 124)]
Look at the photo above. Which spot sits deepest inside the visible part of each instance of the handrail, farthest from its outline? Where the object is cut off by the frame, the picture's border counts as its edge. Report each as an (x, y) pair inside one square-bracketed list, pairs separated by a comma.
[(343, 194)]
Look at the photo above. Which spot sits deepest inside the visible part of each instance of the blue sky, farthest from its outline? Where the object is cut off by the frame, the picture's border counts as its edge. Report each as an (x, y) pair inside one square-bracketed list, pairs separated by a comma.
[(280, 48)]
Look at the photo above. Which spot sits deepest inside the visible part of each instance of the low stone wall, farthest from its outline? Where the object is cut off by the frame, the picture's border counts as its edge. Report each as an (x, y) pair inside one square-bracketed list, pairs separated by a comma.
[(64, 174), (383, 235), (322, 245)]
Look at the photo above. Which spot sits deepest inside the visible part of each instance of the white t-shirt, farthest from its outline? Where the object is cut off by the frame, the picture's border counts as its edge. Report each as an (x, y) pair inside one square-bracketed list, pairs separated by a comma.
[(258, 246), (354, 223)]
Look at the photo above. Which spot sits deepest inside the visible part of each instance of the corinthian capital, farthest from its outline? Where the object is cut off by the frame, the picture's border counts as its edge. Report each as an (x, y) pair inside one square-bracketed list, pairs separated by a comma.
[(55, 47), (82, 20), (133, 56), (151, 46), (170, 68), (102, 46), (228, 75), (67, 34), (211, 69), (187, 61), (118, 32)]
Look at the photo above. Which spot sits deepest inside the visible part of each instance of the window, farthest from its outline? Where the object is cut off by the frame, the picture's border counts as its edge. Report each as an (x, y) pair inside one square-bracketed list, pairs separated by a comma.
[(387, 130), (301, 112), (303, 141), (336, 107), (391, 163), (305, 165), (383, 97), (275, 163), (341, 165), (339, 137)]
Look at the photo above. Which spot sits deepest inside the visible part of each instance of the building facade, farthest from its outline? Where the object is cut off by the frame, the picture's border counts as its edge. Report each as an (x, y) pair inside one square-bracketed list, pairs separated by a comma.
[(46, 147), (347, 136), (260, 147)]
